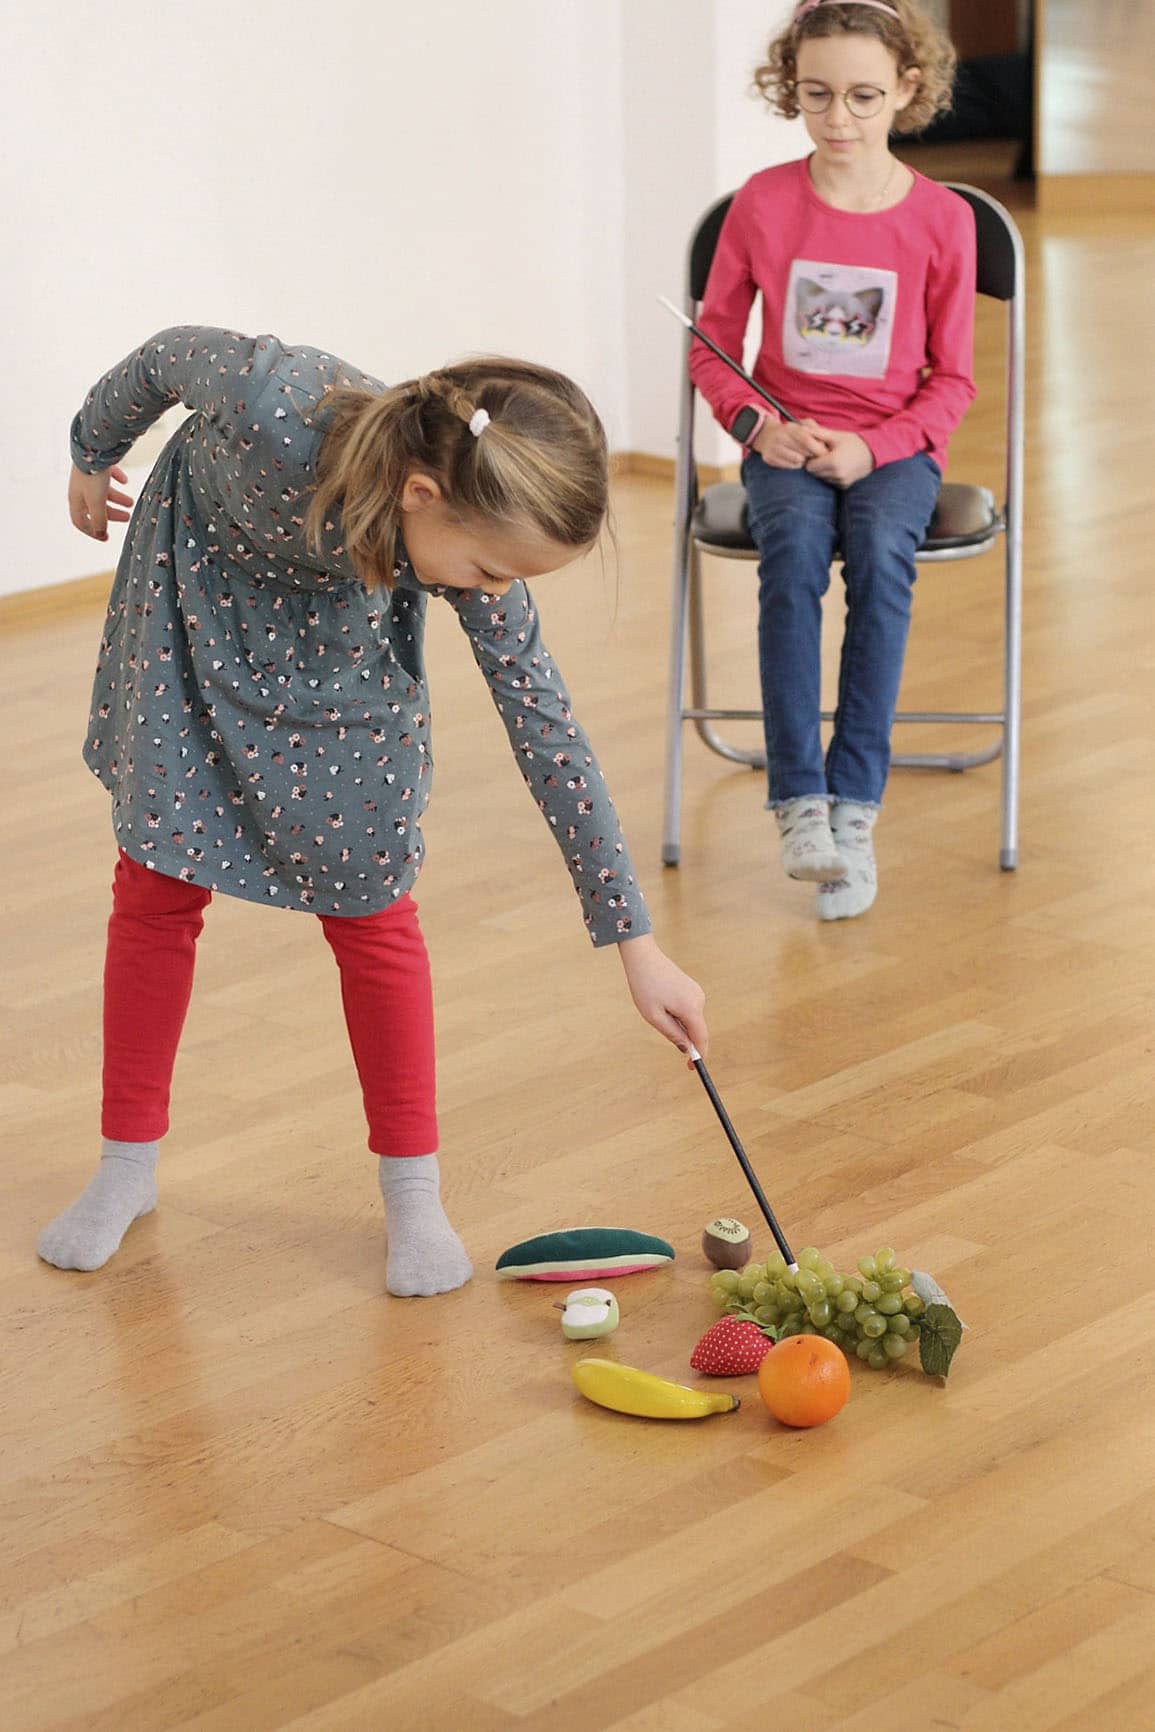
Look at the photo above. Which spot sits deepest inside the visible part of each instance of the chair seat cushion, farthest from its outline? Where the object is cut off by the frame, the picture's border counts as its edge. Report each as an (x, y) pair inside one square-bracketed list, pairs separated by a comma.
[(964, 516)]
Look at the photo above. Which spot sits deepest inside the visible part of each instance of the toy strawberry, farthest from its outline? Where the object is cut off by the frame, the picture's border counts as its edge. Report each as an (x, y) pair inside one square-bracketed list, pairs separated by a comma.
[(732, 1347)]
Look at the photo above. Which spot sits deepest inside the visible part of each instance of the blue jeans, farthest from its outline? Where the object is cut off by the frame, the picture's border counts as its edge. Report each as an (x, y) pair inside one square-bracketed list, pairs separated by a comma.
[(798, 523)]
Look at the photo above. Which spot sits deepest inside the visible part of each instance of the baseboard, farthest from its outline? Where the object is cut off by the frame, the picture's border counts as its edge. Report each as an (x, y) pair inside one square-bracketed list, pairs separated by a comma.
[(1095, 194), (662, 468), (30, 606)]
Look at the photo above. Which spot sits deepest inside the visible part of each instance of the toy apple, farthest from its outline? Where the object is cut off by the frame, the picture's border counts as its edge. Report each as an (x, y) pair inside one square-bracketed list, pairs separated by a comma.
[(588, 1313)]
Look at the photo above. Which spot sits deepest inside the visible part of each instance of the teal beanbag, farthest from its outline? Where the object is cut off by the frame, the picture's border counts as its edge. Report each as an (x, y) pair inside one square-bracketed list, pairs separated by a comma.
[(583, 1254)]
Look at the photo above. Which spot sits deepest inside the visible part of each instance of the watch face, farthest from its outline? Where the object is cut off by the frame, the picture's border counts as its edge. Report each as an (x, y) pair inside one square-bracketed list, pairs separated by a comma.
[(744, 424)]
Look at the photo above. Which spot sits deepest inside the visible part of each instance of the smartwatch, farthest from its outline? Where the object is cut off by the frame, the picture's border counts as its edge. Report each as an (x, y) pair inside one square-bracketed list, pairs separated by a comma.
[(747, 424)]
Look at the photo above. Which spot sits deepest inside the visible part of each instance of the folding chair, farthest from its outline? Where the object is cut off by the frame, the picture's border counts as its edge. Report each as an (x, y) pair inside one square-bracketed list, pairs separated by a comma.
[(967, 521)]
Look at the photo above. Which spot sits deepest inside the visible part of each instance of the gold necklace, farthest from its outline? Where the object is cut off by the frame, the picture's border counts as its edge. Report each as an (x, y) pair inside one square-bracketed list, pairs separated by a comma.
[(883, 190), (886, 183)]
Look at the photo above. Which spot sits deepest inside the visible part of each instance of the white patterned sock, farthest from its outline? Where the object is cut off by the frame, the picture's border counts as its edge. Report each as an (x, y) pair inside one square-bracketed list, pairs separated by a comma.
[(808, 847), (425, 1254), (851, 826), (124, 1188)]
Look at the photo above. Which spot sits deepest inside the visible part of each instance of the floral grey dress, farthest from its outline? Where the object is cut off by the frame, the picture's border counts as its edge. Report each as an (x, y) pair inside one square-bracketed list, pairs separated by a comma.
[(260, 719)]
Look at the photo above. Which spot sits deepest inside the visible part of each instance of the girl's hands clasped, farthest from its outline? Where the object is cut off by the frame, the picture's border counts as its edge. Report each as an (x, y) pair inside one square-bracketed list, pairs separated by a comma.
[(838, 458), (790, 444), (847, 459), (93, 504), (668, 999)]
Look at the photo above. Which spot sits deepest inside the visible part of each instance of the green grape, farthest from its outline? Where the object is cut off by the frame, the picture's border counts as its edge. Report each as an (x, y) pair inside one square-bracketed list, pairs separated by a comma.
[(871, 1291), (766, 1314), (890, 1305), (834, 1284), (821, 1312), (864, 1350), (825, 1269), (899, 1325), (913, 1305), (854, 1282), (893, 1346), (726, 1279), (847, 1301), (902, 1276), (775, 1265), (809, 1257), (788, 1277), (761, 1292), (885, 1259), (863, 1312), (877, 1360), (747, 1284), (873, 1327), (868, 1267), (892, 1281)]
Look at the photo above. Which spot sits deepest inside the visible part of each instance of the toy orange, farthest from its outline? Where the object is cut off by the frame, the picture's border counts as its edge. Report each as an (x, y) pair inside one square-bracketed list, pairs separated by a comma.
[(805, 1380)]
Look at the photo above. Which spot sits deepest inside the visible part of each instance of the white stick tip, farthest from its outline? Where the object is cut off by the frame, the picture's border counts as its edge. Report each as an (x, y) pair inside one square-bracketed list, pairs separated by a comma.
[(695, 1055)]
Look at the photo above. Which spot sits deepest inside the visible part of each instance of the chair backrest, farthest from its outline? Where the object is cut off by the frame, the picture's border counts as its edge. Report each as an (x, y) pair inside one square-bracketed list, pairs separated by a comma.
[(998, 262)]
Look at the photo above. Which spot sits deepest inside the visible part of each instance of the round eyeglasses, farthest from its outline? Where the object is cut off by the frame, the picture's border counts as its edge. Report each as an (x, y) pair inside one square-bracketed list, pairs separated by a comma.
[(863, 101)]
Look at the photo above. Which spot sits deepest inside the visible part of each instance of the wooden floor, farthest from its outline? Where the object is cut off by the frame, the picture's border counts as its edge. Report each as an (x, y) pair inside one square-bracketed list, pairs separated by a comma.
[(242, 1489)]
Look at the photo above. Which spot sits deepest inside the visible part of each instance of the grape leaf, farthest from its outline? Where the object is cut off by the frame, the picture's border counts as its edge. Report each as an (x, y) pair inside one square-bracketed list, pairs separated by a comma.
[(939, 1335)]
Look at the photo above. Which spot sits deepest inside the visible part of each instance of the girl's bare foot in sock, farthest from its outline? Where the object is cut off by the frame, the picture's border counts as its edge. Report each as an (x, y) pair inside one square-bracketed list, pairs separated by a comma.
[(809, 850), (851, 826), (86, 1235), (425, 1254)]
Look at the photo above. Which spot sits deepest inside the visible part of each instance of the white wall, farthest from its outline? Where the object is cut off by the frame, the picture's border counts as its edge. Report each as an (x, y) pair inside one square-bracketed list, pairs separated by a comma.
[(692, 132), (399, 186)]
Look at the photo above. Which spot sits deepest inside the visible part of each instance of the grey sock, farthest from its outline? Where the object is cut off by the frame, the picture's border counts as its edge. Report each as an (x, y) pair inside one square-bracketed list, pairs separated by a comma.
[(124, 1188), (425, 1254), (852, 827), (809, 850)]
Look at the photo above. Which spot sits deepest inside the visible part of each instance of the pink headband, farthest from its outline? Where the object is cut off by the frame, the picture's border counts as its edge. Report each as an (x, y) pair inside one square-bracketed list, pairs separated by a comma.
[(809, 6)]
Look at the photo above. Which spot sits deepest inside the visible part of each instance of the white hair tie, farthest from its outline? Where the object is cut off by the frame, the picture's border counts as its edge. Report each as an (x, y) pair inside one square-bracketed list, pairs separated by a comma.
[(479, 421)]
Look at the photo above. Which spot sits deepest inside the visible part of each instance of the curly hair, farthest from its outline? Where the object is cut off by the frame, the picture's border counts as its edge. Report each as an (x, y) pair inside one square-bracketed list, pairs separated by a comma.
[(916, 43)]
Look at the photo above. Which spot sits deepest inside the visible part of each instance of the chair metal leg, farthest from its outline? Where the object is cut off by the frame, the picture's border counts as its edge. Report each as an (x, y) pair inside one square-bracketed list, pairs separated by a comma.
[(1013, 701), (1013, 630), (700, 712), (672, 821), (685, 494)]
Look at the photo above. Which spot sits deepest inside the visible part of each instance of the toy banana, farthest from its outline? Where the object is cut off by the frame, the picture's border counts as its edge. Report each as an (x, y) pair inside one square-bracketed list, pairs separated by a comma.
[(628, 1390)]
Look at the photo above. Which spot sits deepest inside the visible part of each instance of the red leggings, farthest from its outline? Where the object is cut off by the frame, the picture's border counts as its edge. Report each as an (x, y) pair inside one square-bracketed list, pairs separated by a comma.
[(148, 975)]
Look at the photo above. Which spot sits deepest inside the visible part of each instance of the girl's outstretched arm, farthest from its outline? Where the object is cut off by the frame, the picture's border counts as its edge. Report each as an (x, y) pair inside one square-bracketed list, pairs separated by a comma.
[(555, 757), (669, 1000), (566, 781)]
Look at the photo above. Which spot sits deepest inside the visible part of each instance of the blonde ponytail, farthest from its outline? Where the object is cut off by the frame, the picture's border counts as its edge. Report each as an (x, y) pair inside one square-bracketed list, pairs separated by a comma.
[(540, 460)]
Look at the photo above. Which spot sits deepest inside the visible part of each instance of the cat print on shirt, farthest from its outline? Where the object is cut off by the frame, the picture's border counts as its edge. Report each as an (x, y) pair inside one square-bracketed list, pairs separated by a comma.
[(838, 319)]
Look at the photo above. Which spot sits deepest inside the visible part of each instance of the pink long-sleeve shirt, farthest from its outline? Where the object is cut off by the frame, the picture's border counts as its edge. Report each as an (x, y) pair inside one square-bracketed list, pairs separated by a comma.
[(867, 318)]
